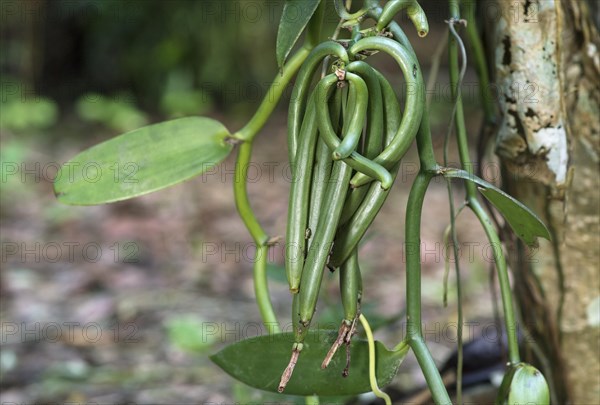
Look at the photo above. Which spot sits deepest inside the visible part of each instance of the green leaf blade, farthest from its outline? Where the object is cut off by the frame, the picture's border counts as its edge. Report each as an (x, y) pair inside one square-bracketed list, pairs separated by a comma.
[(526, 225), (259, 362), (142, 161), (523, 384), (294, 19), (528, 386)]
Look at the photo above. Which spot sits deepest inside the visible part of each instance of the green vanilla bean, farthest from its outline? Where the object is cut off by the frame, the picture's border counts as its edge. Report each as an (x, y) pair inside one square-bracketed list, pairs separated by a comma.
[(300, 198), (391, 109), (351, 287), (316, 259), (350, 234), (424, 144), (397, 33), (301, 328), (301, 89), (351, 294), (358, 114), (314, 267), (415, 101), (300, 331), (323, 164), (352, 231), (355, 160), (414, 11), (373, 143), (375, 118), (247, 134)]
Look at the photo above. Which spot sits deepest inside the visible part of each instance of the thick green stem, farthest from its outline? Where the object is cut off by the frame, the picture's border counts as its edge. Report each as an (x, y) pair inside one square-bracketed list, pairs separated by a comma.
[(414, 210), (259, 236), (246, 135), (430, 371), (261, 290), (425, 145), (266, 107), (241, 195), (413, 239), (505, 291)]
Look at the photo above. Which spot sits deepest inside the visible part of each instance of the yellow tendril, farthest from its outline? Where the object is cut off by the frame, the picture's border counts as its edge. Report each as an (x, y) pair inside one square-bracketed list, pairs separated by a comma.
[(372, 377)]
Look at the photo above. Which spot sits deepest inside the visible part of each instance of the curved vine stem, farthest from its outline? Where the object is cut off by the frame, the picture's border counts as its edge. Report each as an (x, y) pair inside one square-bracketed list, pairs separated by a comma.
[(246, 136), (414, 333), (266, 107), (459, 327), (261, 288), (505, 291), (372, 372)]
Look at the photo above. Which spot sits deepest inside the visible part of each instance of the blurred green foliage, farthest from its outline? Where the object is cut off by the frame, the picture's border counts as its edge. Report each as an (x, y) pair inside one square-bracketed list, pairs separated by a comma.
[(116, 113), (171, 58), (189, 334), (24, 112)]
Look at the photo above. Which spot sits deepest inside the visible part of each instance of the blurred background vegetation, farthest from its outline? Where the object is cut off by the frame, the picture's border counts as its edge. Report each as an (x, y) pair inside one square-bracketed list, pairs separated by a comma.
[(118, 62)]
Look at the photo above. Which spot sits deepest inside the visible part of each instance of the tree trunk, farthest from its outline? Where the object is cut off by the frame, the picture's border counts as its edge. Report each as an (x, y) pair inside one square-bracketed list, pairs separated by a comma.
[(547, 72)]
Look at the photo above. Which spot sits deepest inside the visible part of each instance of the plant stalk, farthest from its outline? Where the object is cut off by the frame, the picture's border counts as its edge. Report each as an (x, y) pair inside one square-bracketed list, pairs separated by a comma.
[(266, 107), (505, 290), (259, 236), (472, 201), (414, 210)]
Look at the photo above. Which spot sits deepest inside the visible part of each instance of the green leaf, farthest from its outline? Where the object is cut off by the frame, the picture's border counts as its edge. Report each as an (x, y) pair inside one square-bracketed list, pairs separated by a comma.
[(529, 387), (296, 15), (260, 361), (521, 219), (523, 384), (141, 161)]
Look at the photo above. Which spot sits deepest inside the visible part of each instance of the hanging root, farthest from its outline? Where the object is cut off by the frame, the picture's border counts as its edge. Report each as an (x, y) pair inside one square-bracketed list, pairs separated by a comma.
[(287, 373), (345, 333)]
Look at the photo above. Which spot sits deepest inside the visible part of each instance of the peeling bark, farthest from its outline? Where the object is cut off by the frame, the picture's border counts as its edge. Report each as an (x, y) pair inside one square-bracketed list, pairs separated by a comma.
[(547, 72)]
